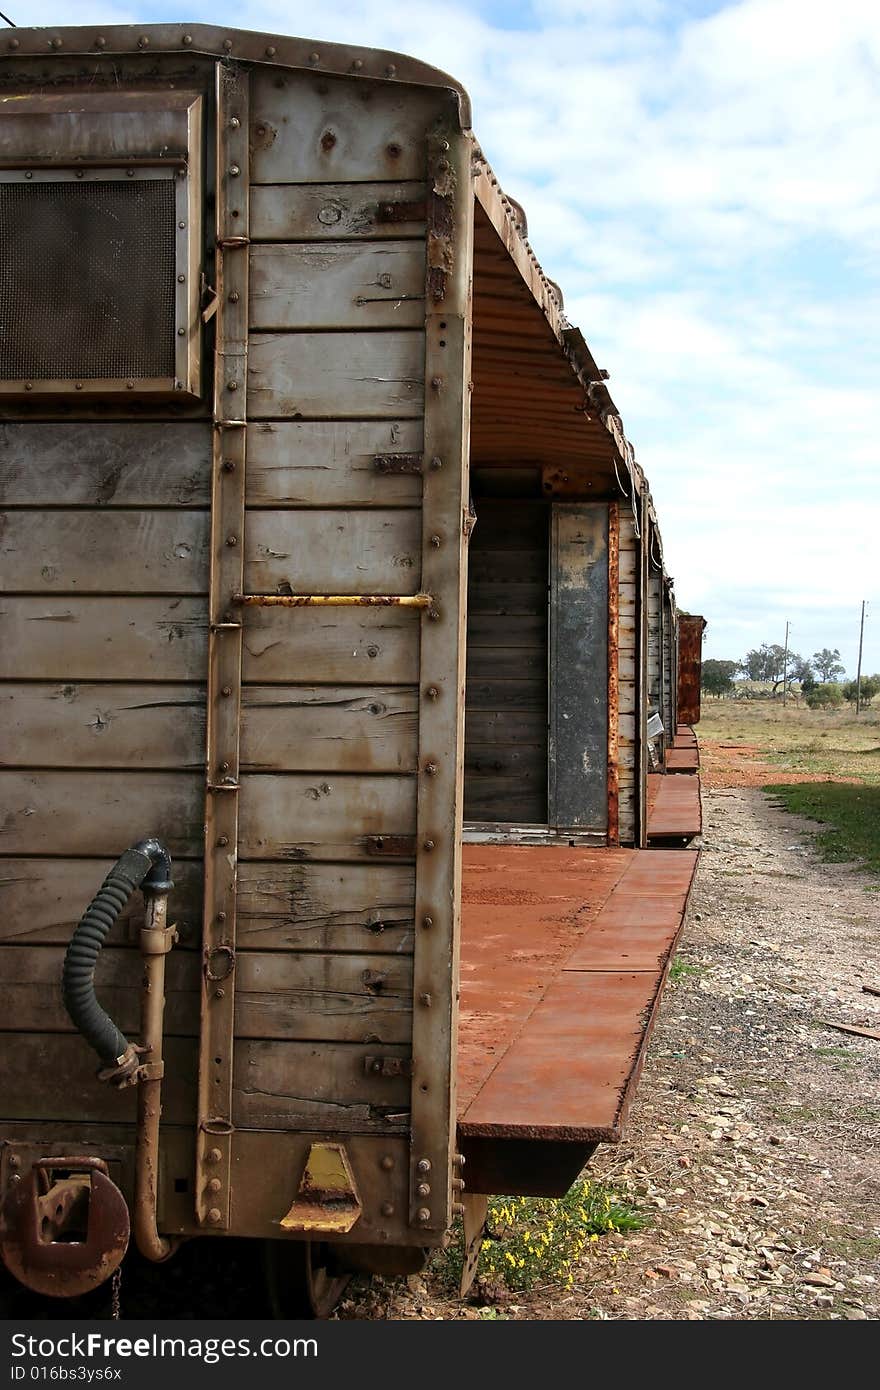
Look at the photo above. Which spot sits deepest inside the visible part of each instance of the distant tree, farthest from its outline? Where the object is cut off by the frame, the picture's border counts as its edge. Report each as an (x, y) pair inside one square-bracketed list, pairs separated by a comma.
[(768, 663), (763, 663), (717, 676), (828, 663), (800, 669), (870, 687), (828, 695)]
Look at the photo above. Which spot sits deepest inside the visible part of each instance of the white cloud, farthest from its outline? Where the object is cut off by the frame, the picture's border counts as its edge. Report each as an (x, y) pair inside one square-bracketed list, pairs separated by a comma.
[(706, 189)]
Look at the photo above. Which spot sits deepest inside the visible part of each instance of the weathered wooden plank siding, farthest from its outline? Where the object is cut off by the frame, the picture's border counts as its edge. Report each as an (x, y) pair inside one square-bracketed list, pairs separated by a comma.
[(654, 654), (136, 463), (328, 376), (67, 638), (331, 464), (296, 816), (282, 906), (348, 645), (333, 211), (627, 666), (314, 997), (311, 1086), (330, 729), (337, 131), (338, 285), (67, 1089), (290, 728), (286, 816), (94, 552), (102, 725), (507, 655), (345, 552)]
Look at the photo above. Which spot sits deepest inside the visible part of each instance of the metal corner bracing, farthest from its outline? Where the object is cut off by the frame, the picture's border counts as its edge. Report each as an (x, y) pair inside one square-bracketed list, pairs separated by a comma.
[(441, 724), (215, 1129)]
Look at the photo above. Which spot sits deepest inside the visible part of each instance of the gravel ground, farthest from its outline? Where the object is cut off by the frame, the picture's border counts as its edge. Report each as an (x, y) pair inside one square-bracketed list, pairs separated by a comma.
[(753, 1143)]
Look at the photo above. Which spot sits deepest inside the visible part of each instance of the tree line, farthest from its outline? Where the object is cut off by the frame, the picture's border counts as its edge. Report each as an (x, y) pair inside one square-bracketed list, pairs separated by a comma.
[(818, 677)]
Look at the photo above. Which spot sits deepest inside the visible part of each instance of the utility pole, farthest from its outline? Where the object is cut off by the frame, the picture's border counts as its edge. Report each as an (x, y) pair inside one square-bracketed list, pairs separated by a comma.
[(859, 671), (785, 668)]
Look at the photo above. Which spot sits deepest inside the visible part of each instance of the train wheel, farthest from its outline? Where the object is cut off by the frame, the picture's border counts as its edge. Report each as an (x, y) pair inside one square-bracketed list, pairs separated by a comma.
[(301, 1279)]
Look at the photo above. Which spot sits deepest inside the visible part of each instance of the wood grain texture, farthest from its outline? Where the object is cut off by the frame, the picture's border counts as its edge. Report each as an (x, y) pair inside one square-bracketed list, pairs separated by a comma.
[(338, 285), (330, 728), (333, 211), (295, 816), (283, 906), (99, 814), (336, 552), (349, 645), (94, 552), (138, 463), (310, 1086), (67, 1089), (337, 130), (323, 998), (327, 376), (330, 464), (102, 725), (86, 639)]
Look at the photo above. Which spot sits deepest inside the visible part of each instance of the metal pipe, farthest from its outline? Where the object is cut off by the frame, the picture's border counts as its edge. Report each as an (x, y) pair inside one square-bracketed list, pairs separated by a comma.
[(157, 939), (335, 600)]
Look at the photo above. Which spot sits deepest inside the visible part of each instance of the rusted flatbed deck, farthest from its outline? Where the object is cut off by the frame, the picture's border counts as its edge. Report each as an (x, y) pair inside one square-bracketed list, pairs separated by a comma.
[(675, 811), (684, 755), (564, 954)]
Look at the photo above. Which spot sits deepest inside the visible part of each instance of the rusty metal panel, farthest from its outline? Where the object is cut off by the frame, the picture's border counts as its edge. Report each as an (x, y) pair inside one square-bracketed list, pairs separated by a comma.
[(556, 1058), (675, 813), (690, 661), (578, 767), (338, 285)]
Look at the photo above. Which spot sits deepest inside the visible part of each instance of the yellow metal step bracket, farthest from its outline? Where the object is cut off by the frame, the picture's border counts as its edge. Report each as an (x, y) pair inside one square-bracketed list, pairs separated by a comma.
[(327, 1198)]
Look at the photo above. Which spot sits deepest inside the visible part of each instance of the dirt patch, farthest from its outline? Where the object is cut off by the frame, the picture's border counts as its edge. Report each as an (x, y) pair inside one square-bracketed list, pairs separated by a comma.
[(753, 1142), (741, 765)]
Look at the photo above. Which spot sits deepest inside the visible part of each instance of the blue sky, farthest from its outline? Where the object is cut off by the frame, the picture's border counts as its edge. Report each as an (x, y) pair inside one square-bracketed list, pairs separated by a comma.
[(703, 181)]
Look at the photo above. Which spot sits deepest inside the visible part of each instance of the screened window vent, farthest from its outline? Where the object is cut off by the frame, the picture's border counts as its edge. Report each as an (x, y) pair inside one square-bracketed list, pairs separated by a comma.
[(87, 280)]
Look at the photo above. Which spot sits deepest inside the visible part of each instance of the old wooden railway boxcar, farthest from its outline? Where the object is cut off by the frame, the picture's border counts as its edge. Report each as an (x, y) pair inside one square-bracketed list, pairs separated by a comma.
[(275, 355)]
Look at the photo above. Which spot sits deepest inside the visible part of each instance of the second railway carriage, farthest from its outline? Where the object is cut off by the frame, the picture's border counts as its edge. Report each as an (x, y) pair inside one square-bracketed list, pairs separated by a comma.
[(334, 622)]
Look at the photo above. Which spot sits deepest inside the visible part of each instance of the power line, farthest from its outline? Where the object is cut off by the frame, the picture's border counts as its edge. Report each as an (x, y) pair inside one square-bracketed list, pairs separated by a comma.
[(11, 22)]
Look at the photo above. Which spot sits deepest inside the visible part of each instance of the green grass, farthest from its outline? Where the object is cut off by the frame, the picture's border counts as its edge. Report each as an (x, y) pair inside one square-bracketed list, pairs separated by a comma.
[(533, 1241), (679, 969), (850, 815)]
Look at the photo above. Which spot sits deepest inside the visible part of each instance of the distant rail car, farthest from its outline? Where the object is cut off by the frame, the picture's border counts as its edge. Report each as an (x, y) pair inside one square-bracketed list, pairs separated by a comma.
[(341, 672)]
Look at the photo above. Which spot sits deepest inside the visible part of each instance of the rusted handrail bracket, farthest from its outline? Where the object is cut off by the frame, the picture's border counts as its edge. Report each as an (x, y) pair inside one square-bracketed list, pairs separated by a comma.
[(335, 600)]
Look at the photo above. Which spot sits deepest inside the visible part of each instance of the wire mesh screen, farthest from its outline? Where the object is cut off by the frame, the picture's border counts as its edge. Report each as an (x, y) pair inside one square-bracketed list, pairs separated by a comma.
[(87, 279)]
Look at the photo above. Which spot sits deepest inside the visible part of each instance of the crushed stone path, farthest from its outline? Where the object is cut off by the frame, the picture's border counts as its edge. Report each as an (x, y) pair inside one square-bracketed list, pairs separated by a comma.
[(754, 1143)]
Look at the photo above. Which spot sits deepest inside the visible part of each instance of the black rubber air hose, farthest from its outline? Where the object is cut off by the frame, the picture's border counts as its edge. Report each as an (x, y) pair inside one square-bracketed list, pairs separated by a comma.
[(147, 865)]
